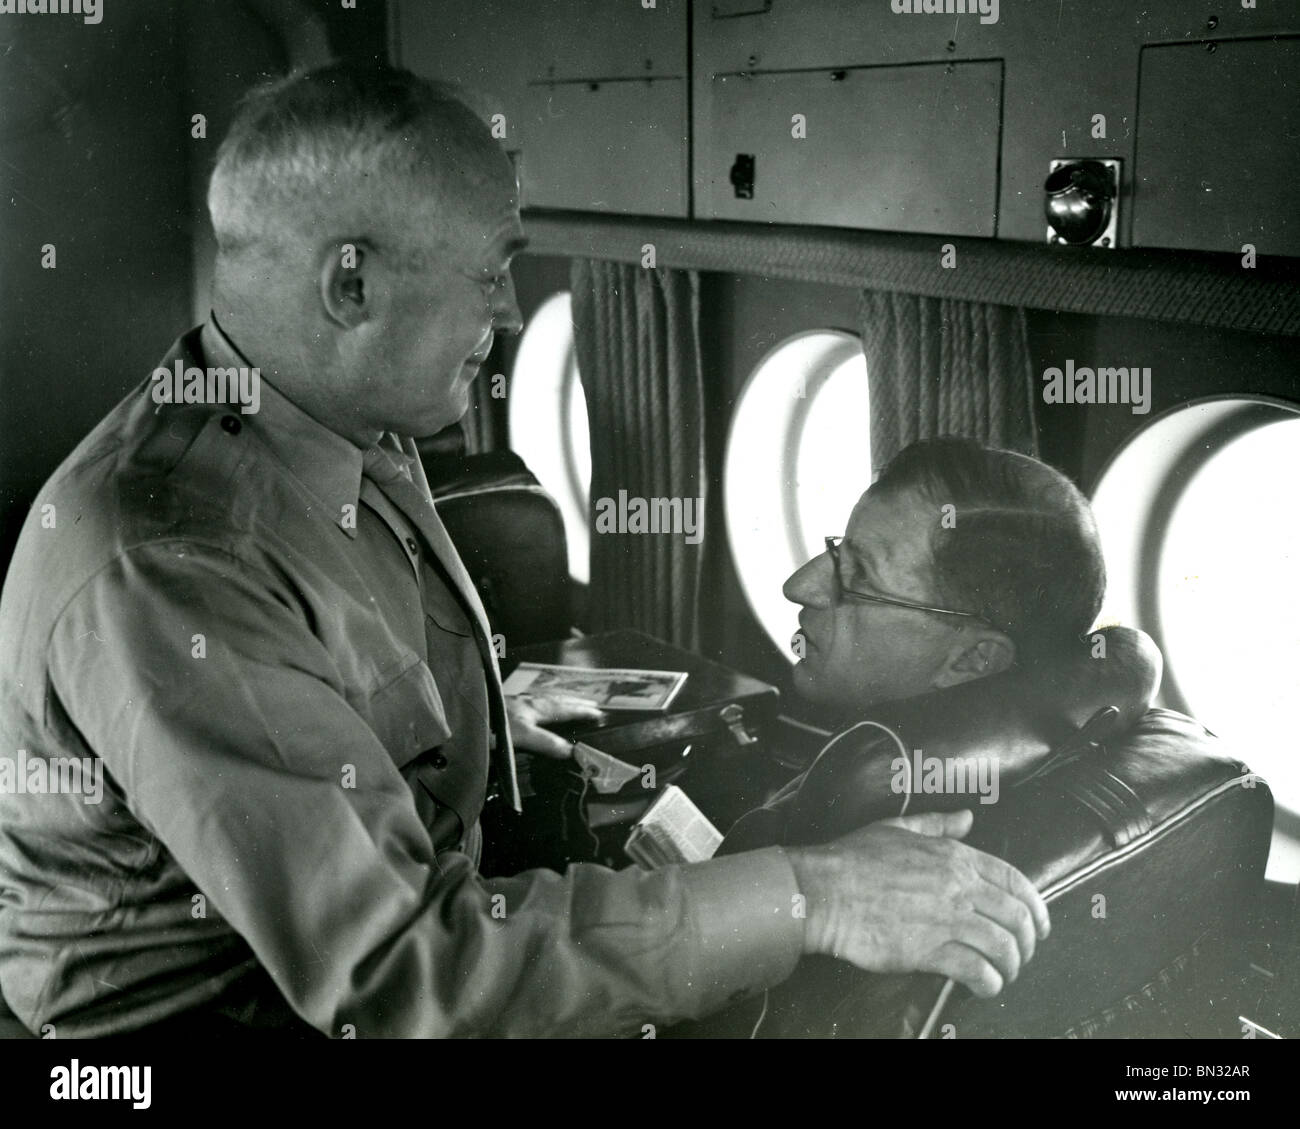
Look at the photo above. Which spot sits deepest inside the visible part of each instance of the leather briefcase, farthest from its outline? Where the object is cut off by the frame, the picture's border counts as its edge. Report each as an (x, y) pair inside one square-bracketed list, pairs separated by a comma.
[(708, 741)]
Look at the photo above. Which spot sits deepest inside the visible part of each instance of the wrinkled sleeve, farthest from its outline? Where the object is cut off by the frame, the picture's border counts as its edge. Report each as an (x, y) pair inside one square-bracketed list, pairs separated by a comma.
[(243, 756)]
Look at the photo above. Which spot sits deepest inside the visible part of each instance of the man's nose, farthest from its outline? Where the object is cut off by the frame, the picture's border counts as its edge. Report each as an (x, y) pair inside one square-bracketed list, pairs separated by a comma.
[(810, 585), (506, 316)]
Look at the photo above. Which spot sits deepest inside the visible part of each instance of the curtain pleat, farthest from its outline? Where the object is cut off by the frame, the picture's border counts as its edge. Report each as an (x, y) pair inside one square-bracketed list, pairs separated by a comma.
[(636, 331), (941, 366)]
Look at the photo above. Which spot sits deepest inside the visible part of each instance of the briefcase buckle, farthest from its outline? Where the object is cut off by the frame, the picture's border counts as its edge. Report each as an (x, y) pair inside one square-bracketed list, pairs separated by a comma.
[(733, 717)]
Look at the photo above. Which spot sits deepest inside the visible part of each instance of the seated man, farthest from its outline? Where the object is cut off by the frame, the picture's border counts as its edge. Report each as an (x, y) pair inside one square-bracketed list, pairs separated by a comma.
[(961, 562), (241, 620)]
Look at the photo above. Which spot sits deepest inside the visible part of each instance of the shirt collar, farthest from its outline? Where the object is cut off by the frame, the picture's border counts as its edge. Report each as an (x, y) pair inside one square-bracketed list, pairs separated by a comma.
[(390, 445), (324, 462)]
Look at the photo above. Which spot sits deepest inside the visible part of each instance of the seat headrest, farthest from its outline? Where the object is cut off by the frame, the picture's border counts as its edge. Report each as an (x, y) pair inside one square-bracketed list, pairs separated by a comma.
[(1018, 718), (509, 533)]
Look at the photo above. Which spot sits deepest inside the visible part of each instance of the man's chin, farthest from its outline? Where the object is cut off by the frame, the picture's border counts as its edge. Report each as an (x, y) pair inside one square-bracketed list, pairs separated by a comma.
[(838, 700), (436, 419), (805, 681)]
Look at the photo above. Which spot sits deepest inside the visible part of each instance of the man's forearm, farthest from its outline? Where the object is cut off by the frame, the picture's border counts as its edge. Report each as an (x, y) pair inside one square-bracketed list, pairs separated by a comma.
[(646, 947)]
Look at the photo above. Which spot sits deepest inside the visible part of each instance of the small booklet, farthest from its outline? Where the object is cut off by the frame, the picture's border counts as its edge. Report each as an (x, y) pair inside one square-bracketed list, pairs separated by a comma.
[(607, 688), (674, 830)]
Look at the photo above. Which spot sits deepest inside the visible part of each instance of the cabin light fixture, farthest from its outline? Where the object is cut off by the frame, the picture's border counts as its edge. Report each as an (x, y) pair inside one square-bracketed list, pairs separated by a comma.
[(1082, 202)]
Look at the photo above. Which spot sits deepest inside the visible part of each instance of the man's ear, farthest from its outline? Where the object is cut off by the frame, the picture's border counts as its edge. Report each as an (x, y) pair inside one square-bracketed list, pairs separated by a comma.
[(989, 652), (348, 283)]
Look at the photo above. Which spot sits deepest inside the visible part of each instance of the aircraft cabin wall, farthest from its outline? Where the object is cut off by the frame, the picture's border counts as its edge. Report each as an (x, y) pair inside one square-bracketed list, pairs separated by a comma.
[(823, 112), (593, 93), (746, 317), (933, 131)]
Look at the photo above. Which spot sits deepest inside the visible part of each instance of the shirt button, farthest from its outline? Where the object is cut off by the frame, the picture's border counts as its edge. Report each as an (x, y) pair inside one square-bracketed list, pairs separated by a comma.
[(231, 425), (439, 761), (410, 544)]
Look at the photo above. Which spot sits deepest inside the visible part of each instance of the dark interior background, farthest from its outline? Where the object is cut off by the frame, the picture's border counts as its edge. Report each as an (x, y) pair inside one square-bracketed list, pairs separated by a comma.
[(97, 158)]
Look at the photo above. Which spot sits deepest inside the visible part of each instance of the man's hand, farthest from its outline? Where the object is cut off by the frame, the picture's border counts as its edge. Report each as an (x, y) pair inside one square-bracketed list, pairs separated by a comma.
[(528, 712), (903, 895)]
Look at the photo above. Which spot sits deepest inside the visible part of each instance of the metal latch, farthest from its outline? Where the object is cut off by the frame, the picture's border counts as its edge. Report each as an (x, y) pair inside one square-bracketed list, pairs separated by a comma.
[(733, 716), (742, 176)]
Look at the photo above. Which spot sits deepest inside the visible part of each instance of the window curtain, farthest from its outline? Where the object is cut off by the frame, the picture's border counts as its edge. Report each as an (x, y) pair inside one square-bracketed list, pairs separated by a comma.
[(636, 331), (942, 366)]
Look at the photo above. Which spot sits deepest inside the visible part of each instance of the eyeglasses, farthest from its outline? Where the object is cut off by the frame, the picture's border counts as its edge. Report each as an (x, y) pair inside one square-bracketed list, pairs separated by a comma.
[(833, 548), (491, 287)]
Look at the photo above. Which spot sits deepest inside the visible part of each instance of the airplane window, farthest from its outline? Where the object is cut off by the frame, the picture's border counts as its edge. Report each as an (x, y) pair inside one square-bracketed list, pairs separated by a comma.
[(1205, 559), (798, 457), (548, 421)]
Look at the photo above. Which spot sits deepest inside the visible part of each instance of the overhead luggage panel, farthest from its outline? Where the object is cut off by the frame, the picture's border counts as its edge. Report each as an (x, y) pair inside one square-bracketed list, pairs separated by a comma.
[(583, 39), (903, 148), (590, 98), (1217, 135), (607, 147)]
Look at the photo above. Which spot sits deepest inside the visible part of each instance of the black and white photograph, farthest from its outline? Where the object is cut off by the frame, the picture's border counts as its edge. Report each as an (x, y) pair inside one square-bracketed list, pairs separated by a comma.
[(637, 520), (603, 689)]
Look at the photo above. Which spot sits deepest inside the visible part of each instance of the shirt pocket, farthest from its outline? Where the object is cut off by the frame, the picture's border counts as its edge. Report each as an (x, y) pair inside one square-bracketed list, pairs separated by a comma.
[(442, 607), (407, 713)]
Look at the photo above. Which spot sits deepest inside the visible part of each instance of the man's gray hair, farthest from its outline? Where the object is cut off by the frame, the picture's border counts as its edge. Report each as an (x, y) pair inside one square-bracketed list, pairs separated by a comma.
[(1023, 553), (337, 151)]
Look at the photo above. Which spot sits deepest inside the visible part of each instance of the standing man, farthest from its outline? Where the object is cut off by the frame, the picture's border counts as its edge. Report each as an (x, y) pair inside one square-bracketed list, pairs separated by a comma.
[(253, 624)]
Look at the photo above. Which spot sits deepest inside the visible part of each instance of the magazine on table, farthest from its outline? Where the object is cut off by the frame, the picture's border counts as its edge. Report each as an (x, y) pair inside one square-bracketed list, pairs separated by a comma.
[(607, 688)]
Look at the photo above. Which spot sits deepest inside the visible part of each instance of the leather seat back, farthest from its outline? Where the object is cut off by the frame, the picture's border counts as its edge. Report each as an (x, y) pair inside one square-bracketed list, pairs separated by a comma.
[(1144, 849), (1147, 842), (510, 535)]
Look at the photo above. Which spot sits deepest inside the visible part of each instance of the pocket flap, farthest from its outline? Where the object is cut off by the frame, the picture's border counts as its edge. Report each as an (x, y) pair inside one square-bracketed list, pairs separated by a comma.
[(444, 609), (407, 714)]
